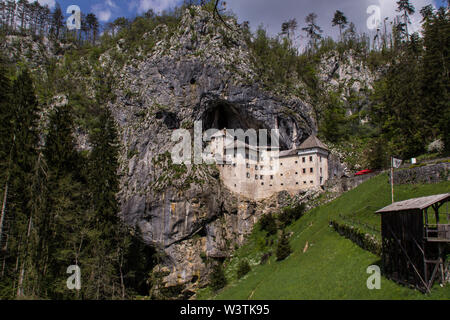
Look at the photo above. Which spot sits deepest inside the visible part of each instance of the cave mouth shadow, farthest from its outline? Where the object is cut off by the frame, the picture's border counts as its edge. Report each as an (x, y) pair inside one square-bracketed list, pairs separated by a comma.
[(224, 115)]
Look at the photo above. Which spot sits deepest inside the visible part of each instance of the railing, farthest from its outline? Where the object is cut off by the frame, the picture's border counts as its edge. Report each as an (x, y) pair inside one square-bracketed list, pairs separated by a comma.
[(359, 222), (437, 232)]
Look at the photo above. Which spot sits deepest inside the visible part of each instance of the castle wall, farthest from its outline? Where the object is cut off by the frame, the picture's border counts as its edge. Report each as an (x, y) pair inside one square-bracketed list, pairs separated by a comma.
[(260, 180)]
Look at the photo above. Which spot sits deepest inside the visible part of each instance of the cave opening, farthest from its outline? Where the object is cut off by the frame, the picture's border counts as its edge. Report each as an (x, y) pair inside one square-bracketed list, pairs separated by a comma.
[(223, 115)]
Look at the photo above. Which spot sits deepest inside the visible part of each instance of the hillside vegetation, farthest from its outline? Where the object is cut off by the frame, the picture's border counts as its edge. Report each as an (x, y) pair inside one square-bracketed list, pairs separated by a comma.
[(84, 112), (332, 267)]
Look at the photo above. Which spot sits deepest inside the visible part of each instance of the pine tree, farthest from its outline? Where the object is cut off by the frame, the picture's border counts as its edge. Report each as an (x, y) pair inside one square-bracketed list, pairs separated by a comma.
[(57, 21), (22, 143), (283, 247), (103, 186), (217, 279), (435, 74), (288, 28), (92, 25), (67, 222), (5, 141), (340, 20), (408, 9), (312, 30)]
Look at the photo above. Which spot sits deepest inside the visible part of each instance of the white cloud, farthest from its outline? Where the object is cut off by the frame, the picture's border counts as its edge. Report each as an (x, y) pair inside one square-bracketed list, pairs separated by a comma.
[(104, 11), (104, 15), (111, 4), (157, 5), (50, 3)]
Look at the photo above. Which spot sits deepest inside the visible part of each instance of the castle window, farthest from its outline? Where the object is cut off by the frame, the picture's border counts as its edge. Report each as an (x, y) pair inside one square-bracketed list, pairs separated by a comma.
[(296, 183), (256, 167), (304, 182), (234, 164), (320, 158), (256, 177), (296, 173), (261, 177), (248, 165), (311, 170), (282, 184), (310, 159), (296, 162), (303, 159), (262, 167), (304, 171), (320, 170), (262, 183), (271, 177), (281, 174), (248, 175), (311, 182)]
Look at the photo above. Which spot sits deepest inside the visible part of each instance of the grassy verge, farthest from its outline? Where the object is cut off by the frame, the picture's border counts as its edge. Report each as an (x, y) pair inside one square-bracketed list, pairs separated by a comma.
[(332, 267)]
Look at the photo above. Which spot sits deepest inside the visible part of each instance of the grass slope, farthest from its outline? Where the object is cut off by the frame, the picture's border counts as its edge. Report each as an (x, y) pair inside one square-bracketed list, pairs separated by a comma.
[(332, 267)]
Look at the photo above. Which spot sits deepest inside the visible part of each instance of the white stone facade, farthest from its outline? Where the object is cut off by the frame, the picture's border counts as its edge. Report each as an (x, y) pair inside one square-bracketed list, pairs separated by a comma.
[(258, 173)]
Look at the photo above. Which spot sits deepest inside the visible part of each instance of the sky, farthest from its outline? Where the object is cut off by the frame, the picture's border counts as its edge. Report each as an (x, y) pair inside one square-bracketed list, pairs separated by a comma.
[(269, 13)]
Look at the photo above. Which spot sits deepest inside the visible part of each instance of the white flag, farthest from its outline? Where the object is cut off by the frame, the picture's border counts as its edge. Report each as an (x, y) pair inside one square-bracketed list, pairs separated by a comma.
[(396, 163)]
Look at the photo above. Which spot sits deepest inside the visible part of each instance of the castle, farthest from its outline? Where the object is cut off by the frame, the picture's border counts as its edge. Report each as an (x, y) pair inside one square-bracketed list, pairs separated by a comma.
[(259, 172)]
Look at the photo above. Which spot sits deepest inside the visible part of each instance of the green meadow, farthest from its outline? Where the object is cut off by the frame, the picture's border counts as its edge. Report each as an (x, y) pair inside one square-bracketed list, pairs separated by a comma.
[(332, 267)]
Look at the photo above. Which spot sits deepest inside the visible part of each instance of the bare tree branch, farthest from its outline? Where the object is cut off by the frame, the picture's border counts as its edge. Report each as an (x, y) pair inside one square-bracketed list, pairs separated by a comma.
[(216, 12)]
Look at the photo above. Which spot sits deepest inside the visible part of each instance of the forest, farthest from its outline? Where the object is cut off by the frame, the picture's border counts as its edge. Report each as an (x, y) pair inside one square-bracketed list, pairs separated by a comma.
[(59, 204)]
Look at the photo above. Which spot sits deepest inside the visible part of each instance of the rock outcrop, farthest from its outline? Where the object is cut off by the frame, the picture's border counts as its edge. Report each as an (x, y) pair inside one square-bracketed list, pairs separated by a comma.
[(203, 72)]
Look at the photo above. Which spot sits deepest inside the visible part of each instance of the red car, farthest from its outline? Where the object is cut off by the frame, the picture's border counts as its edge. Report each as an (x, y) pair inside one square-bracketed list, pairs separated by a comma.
[(363, 172)]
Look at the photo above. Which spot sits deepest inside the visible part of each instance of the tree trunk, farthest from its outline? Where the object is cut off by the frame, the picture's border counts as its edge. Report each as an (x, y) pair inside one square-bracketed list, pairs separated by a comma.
[(22, 269), (2, 218)]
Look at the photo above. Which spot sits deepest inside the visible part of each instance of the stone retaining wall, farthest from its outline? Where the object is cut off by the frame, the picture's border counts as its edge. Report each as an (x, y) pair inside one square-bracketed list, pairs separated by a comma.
[(426, 174)]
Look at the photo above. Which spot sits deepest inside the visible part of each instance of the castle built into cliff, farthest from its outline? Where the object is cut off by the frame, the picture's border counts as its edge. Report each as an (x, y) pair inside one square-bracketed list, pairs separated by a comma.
[(259, 172)]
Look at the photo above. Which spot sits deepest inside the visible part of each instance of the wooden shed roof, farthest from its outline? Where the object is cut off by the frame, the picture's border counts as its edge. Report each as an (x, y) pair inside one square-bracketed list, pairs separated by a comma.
[(415, 203)]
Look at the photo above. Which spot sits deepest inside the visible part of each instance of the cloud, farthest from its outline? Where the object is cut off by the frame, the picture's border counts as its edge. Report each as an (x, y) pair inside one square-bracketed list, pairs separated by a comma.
[(50, 3), (104, 15), (105, 10), (157, 5)]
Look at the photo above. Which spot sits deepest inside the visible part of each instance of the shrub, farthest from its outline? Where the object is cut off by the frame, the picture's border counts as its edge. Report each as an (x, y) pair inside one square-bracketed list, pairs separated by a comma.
[(265, 257), (283, 248), (365, 241), (217, 278), (436, 146), (243, 268), (267, 223), (291, 214)]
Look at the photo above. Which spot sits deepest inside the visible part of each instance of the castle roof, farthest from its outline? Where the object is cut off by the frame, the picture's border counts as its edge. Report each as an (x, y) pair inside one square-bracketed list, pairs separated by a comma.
[(312, 142), (287, 153)]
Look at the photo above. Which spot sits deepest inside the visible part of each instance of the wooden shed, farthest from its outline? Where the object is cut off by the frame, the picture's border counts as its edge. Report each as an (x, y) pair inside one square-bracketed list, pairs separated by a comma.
[(415, 241)]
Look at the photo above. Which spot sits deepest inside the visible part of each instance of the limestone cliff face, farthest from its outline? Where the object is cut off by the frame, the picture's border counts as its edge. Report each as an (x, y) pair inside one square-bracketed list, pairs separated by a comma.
[(203, 72)]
